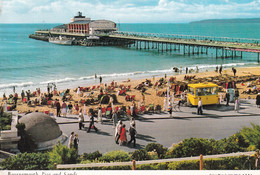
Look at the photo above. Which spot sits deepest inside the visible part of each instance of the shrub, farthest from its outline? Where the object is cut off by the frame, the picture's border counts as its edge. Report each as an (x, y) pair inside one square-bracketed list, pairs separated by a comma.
[(115, 156), (27, 161), (228, 146), (184, 165), (61, 154), (5, 121), (26, 143), (91, 156), (157, 147), (140, 155), (252, 135), (191, 147)]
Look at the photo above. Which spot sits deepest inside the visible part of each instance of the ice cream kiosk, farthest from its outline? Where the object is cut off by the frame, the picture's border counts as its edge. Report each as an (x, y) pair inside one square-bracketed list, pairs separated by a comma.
[(208, 92)]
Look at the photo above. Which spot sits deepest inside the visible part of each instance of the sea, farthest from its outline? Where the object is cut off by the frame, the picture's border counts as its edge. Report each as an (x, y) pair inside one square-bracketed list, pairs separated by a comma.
[(29, 64)]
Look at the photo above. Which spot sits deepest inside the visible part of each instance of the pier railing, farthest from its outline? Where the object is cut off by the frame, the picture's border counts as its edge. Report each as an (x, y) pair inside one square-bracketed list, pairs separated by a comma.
[(193, 37)]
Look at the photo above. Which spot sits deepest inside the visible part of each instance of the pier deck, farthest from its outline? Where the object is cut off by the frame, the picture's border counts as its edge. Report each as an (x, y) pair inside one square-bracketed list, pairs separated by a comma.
[(220, 47)]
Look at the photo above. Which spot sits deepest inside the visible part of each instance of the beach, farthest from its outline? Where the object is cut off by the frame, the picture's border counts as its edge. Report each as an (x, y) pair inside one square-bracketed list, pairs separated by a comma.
[(150, 95)]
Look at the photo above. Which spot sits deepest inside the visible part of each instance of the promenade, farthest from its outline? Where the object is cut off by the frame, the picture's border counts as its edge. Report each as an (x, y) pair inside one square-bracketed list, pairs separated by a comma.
[(216, 122)]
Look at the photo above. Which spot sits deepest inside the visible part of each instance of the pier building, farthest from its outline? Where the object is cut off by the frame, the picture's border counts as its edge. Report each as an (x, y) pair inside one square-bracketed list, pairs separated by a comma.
[(82, 25)]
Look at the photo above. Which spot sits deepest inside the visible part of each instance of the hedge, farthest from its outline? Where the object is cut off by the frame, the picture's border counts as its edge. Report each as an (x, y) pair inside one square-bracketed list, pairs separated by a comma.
[(227, 163)]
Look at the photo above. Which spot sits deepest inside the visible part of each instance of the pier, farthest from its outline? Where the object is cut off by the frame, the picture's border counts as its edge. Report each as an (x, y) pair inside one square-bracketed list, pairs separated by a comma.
[(219, 47)]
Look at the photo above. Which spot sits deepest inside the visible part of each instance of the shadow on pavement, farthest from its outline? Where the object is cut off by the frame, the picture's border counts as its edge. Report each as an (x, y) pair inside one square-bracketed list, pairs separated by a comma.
[(145, 137)]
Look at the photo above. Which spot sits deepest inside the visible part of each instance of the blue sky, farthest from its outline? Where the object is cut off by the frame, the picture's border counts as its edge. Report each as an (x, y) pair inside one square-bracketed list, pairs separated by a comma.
[(126, 11)]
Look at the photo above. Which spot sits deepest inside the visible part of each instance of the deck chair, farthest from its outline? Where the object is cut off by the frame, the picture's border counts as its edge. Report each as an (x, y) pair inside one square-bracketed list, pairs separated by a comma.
[(127, 98), (108, 112), (142, 109)]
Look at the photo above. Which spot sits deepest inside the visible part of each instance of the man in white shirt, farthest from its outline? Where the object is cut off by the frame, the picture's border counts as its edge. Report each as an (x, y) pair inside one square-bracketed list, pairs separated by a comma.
[(199, 112)]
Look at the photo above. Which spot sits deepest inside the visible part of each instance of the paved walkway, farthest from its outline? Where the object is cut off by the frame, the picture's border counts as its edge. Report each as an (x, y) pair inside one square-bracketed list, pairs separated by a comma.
[(217, 122)]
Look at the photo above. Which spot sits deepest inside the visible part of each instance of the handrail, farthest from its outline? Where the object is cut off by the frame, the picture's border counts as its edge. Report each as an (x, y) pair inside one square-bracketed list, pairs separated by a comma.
[(6, 153), (134, 163)]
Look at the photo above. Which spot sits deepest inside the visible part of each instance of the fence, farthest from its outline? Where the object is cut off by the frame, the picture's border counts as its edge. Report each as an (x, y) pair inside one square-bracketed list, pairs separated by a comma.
[(134, 163)]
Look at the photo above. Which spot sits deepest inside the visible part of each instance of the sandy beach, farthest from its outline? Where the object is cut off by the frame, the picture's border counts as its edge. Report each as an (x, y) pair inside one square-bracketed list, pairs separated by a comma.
[(150, 94)]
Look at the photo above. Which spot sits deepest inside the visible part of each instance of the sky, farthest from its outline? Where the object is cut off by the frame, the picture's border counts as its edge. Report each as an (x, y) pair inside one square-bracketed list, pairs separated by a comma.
[(126, 11)]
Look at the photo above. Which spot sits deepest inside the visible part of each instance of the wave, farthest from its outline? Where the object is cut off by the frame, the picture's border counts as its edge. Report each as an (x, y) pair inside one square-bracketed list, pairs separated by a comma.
[(25, 84), (86, 78), (59, 80), (223, 65)]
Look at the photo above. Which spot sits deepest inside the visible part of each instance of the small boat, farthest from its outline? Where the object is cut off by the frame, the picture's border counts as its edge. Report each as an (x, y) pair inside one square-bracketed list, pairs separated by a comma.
[(61, 40), (93, 38)]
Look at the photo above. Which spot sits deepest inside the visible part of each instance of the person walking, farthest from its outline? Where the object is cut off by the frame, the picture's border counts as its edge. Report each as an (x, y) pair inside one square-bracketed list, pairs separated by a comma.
[(100, 79), (123, 138), (118, 131), (78, 91), (22, 95), (170, 110), (70, 108), (227, 98), (76, 142), (71, 140), (199, 111), (236, 108), (58, 108), (81, 119), (100, 115), (114, 118), (220, 70), (132, 121), (258, 100), (132, 133), (64, 109), (234, 71), (236, 93), (91, 123)]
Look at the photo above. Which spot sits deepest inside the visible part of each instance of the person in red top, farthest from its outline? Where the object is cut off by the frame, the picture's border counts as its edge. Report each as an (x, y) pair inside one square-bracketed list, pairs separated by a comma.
[(76, 107), (123, 138)]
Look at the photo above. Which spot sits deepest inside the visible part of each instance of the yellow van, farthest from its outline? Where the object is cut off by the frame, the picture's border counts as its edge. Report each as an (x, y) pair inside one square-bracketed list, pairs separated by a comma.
[(208, 92)]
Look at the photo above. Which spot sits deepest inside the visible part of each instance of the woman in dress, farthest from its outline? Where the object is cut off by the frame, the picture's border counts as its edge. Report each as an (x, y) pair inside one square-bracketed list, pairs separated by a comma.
[(123, 138)]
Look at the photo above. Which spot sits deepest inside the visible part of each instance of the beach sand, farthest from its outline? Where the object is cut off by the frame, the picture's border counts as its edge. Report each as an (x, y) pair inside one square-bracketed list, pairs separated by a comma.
[(150, 94)]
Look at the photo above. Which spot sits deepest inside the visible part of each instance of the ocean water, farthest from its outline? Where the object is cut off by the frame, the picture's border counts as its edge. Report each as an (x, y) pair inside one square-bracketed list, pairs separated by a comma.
[(28, 64)]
